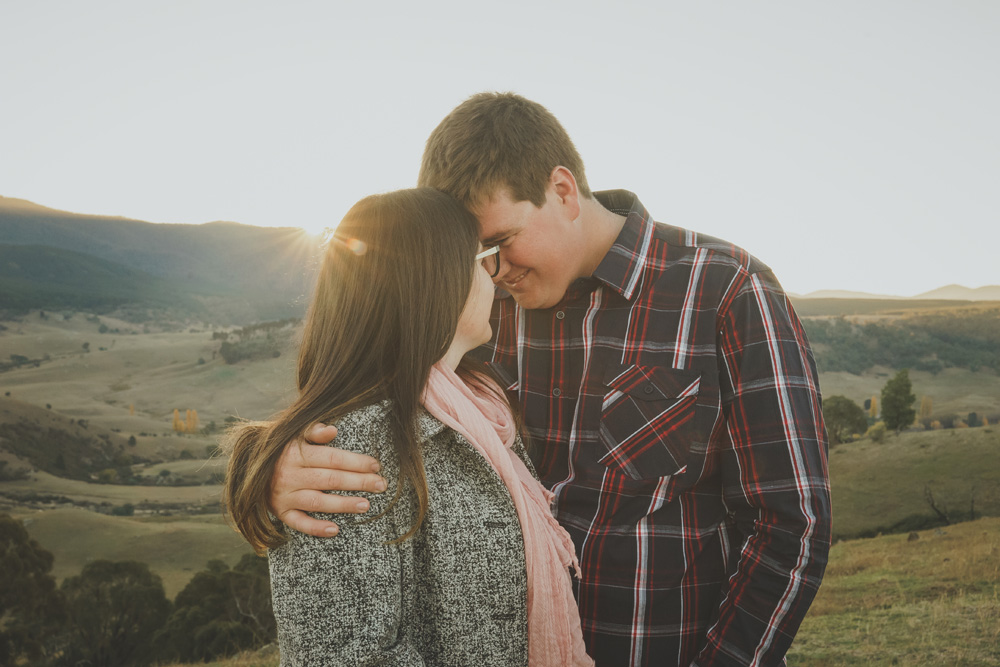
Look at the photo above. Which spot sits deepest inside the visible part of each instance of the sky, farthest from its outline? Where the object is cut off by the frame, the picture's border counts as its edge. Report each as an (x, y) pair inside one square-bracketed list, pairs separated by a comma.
[(849, 145)]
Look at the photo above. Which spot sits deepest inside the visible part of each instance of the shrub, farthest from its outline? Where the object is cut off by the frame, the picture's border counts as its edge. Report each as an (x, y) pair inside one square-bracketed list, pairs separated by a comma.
[(843, 418), (876, 432), (128, 509)]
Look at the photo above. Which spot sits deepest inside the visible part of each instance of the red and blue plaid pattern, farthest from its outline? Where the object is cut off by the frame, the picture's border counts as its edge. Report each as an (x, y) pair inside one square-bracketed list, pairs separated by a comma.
[(674, 409)]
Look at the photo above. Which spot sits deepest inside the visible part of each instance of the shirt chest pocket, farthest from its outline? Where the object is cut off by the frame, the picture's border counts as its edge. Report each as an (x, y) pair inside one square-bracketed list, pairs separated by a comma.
[(650, 420)]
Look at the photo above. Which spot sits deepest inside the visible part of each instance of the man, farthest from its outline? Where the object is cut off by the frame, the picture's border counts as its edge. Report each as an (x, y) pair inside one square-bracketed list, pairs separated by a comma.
[(667, 388)]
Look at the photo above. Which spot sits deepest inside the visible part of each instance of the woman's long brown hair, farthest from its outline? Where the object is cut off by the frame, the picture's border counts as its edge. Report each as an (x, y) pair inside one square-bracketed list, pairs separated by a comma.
[(390, 291)]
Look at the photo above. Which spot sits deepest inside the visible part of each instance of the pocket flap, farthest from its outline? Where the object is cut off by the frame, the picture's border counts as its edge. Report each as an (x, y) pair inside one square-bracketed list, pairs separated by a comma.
[(652, 383)]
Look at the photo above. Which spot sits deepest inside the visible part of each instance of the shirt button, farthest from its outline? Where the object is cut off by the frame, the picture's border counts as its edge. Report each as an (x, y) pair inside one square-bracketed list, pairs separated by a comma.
[(560, 314), (648, 389), (556, 392)]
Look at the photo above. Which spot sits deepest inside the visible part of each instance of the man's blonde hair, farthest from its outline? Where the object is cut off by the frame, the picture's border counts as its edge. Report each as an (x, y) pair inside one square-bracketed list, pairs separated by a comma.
[(496, 140)]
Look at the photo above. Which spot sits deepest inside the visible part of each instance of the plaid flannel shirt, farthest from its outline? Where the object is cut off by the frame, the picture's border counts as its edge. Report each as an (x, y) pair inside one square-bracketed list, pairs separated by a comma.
[(673, 406)]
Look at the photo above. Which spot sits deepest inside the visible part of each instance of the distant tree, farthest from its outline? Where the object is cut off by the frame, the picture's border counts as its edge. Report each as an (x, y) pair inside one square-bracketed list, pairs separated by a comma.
[(873, 412), (30, 604), (220, 612), (86, 347), (897, 402), (843, 418), (103, 328), (926, 406), (973, 420), (191, 421), (114, 609), (131, 441)]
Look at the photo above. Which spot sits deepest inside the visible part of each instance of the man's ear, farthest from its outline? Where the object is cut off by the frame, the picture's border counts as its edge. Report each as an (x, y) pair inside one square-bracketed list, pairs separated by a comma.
[(563, 184)]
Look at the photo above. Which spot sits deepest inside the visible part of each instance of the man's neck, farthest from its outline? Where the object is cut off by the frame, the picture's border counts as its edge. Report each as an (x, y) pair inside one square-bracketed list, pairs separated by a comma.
[(601, 228)]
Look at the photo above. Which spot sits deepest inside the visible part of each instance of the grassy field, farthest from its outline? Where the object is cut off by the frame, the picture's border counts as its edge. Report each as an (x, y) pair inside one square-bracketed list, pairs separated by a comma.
[(266, 657), (878, 485), (892, 601), (885, 600), (155, 372), (174, 547)]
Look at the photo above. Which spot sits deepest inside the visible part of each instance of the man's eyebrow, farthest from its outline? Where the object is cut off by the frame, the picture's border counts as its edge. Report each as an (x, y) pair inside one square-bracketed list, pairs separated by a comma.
[(492, 240)]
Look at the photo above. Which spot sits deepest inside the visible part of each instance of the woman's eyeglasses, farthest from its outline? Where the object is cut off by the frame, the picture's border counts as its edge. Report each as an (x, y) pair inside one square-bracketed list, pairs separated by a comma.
[(491, 260)]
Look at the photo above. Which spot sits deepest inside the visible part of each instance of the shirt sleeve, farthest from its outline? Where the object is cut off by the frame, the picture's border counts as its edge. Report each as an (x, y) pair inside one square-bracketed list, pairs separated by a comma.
[(775, 478), (339, 600)]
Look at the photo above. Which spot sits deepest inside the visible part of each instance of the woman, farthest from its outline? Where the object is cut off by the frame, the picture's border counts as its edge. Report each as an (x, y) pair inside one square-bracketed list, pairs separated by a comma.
[(460, 562)]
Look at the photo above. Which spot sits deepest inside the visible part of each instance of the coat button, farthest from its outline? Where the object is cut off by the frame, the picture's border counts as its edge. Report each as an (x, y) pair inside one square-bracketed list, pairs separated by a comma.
[(560, 314), (648, 389), (556, 392)]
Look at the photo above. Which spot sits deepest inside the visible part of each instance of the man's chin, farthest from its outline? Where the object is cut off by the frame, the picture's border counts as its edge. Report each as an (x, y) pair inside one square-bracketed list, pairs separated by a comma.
[(531, 300)]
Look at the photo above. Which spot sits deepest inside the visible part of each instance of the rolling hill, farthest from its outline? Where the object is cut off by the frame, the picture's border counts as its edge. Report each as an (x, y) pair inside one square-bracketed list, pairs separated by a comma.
[(238, 273)]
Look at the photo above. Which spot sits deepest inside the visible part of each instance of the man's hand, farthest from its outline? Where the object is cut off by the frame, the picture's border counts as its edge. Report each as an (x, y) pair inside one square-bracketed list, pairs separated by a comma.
[(304, 471)]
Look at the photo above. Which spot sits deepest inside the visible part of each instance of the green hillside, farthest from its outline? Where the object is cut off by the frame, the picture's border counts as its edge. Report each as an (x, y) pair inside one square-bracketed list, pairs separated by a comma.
[(920, 341), (52, 278), (882, 487)]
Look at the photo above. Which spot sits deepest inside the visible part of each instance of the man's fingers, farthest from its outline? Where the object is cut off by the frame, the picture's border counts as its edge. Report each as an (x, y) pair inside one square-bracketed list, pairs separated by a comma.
[(320, 456), (315, 501), (304, 523), (322, 479), (320, 434)]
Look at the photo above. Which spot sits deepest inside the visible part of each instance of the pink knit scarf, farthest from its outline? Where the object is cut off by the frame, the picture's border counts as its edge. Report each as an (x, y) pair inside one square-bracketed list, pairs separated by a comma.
[(554, 635)]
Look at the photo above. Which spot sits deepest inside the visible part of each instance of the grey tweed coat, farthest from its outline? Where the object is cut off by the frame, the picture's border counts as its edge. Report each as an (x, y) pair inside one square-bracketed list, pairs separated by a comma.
[(454, 594)]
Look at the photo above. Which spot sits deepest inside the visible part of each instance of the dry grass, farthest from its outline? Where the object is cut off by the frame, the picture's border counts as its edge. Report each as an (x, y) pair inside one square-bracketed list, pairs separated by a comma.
[(155, 372), (890, 601), (266, 657)]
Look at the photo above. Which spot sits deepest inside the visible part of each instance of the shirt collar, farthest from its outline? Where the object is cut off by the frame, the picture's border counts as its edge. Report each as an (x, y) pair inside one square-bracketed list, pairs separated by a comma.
[(624, 263)]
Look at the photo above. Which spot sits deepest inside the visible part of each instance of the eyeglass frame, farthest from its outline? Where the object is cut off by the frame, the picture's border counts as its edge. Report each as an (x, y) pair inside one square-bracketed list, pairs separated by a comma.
[(492, 250)]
